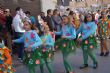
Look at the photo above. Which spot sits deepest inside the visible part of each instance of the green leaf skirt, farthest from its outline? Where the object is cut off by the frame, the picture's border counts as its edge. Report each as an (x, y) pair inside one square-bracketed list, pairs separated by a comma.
[(89, 43), (33, 58), (48, 54), (66, 45)]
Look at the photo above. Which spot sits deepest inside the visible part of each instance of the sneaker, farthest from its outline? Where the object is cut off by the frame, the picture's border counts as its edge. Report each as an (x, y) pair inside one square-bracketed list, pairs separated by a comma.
[(19, 58), (84, 66), (95, 65)]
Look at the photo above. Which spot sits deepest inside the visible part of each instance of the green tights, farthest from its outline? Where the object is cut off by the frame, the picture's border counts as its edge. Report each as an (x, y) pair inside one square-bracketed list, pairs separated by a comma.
[(89, 52), (48, 65), (66, 63), (32, 68)]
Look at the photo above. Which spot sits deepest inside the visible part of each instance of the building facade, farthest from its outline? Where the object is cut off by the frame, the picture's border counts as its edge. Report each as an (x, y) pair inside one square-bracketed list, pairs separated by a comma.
[(34, 6), (63, 2), (48, 4), (88, 3)]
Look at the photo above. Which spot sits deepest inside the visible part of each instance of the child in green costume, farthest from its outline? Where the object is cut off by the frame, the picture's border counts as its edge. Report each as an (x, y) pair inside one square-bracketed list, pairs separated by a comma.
[(32, 44), (66, 43), (48, 44), (88, 40)]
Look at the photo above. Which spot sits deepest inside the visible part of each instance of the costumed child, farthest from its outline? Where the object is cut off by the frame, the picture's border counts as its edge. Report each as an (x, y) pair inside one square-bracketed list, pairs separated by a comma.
[(66, 43), (103, 32), (88, 40), (32, 43), (47, 48), (5, 59)]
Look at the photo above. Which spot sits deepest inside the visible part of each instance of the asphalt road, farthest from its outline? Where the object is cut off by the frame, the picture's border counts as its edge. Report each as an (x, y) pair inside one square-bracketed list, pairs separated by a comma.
[(76, 61)]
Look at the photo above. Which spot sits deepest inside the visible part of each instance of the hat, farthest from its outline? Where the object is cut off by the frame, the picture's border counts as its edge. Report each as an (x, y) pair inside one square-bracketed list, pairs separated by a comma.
[(8, 10)]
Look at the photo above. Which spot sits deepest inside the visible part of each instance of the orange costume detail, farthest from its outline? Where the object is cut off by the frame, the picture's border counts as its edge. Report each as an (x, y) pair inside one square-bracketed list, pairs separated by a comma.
[(5, 61), (104, 25)]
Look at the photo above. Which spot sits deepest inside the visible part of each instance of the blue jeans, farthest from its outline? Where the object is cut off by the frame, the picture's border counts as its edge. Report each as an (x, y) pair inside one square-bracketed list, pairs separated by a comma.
[(20, 46)]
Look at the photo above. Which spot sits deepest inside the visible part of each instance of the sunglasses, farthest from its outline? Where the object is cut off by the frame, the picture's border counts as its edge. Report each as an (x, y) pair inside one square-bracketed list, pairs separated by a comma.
[(5, 11), (88, 16)]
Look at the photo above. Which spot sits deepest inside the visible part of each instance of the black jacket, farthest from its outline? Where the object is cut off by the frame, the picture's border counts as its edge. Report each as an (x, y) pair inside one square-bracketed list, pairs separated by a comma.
[(49, 23)]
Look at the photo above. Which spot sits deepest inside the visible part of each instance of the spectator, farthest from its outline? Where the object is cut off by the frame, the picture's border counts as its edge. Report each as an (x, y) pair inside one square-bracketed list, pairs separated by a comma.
[(43, 16), (32, 18), (109, 14), (2, 18), (18, 28), (97, 15), (57, 20), (49, 19), (9, 19), (3, 31), (67, 11)]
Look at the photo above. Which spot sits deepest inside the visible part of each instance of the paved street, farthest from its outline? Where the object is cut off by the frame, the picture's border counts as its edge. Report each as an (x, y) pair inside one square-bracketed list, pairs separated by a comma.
[(76, 60)]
